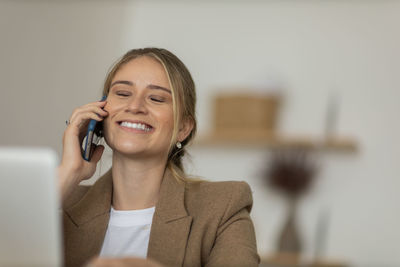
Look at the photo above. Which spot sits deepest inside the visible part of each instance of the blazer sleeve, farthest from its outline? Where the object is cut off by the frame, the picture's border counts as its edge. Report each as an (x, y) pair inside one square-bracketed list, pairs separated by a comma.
[(235, 243)]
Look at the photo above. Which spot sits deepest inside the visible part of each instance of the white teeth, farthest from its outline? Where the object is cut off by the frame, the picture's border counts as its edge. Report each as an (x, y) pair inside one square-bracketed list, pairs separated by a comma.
[(138, 126)]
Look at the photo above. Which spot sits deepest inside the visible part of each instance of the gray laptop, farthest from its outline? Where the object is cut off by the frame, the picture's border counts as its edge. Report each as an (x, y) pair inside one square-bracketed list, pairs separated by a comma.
[(30, 230)]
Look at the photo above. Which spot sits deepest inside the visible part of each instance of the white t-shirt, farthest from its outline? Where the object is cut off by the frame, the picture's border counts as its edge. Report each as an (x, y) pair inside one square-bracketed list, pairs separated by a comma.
[(128, 233)]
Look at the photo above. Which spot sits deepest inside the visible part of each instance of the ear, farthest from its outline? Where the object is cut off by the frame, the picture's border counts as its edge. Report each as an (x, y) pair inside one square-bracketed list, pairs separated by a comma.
[(185, 129)]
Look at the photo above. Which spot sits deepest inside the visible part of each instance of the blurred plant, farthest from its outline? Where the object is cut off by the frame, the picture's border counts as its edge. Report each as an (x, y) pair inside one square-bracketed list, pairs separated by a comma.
[(291, 171)]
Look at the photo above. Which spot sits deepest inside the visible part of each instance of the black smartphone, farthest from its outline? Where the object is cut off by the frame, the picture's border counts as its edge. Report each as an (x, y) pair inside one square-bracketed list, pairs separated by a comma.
[(92, 138)]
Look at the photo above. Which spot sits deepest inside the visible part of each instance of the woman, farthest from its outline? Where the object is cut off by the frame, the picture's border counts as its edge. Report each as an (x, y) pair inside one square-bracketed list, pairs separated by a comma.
[(144, 211)]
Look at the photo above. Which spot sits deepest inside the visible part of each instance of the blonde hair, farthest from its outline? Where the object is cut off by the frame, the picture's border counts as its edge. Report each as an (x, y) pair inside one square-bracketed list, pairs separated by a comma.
[(183, 98)]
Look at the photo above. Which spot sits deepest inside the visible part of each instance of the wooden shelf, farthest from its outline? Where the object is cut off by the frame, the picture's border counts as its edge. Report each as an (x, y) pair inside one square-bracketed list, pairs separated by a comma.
[(341, 144)]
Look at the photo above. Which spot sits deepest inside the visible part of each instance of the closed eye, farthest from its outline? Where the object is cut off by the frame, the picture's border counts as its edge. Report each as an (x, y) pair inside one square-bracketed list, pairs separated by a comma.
[(157, 99), (123, 93)]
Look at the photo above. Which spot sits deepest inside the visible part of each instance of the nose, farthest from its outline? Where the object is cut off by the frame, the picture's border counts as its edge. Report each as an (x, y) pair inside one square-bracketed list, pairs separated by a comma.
[(137, 105)]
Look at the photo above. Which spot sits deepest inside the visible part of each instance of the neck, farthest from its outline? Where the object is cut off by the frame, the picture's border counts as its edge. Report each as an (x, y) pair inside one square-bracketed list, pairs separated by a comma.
[(136, 182)]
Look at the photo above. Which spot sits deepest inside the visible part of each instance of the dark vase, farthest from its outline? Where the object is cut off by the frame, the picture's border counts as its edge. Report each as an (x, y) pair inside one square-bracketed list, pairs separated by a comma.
[(289, 239)]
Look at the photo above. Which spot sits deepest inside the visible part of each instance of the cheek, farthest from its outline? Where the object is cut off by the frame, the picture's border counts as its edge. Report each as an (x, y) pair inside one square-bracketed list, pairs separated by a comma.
[(112, 109), (106, 130), (106, 125), (167, 120), (112, 105)]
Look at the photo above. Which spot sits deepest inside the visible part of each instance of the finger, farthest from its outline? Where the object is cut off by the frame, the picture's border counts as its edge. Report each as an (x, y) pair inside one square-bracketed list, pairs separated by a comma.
[(89, 109), (95, 109), (80, 121), (99, 104), (73, 137), (91, 106), (96, 103), (83, 131)]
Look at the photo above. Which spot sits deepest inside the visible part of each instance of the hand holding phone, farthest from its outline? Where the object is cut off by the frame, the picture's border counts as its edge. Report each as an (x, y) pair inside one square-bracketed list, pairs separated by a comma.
[(93, 136), (74, 167)]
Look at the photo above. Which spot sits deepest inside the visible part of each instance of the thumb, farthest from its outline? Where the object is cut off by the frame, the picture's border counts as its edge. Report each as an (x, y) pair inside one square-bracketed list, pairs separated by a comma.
[(98, 152)]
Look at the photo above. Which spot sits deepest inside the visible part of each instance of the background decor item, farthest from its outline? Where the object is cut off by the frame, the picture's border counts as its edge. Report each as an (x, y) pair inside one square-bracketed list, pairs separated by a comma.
[(245, 115), (291, 171)]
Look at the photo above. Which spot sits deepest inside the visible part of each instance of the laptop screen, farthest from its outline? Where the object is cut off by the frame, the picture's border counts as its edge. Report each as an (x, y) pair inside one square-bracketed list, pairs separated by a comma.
[(30, 227)]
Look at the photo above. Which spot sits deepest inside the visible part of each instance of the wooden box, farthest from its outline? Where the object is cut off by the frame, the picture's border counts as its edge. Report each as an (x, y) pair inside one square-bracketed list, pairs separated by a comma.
[(245, 115)]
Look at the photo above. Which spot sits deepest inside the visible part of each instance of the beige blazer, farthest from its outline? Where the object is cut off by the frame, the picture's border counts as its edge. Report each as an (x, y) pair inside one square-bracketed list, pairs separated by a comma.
[(194, 224)]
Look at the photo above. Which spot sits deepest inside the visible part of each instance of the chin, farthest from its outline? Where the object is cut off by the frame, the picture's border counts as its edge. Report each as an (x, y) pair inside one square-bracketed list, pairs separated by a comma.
[(129, 149), (136, 148), (125, 147)]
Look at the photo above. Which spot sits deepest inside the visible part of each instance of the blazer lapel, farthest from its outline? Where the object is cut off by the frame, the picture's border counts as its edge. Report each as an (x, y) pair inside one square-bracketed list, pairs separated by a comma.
[(90, 217), (169, 231), (171, 224)]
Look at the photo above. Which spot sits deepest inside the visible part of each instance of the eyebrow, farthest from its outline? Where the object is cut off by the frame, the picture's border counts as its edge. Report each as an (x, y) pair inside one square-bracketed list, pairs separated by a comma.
[(150, 86), (121, 82), (157, 87)]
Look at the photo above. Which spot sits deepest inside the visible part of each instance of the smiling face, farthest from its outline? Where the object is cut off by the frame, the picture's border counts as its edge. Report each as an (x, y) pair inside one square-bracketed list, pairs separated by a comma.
[(140, 107)]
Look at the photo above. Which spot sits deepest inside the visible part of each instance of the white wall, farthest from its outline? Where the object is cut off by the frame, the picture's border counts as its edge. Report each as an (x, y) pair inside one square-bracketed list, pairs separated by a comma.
[(54, 56), (309, 48)]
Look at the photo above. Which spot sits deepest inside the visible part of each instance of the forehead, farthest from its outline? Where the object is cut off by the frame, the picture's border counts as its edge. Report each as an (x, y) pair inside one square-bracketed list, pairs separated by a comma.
[(143, 69)]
